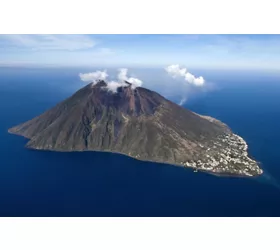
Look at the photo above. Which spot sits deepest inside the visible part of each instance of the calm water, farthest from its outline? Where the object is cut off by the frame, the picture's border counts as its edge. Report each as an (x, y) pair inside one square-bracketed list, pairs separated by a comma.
[(37, 183)]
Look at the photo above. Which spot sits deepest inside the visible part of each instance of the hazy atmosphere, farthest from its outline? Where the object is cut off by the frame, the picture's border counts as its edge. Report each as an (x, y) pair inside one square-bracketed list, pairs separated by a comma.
[(193, 51)]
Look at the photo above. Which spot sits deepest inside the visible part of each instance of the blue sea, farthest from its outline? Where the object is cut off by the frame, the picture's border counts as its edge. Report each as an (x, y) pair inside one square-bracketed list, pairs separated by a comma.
[(39, 183)]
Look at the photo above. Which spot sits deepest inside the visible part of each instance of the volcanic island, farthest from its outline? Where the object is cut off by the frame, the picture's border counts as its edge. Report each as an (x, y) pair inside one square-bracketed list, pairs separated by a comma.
[(142, 124)]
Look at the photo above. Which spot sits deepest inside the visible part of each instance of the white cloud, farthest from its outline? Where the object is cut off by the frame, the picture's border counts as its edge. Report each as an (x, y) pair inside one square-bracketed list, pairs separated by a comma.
[(176, 71), (106, 51), (101, 53), (122, 77), (188, 84), (93, 76), (199, 81), (113, 85), (49, 42)]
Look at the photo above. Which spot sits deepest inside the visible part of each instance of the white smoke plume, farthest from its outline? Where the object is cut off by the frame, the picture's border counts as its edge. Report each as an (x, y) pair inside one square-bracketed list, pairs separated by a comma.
[(113, 85), (122, 77), (176, 71), (94, 76), (122, 81), (189, 82), (183, 101)]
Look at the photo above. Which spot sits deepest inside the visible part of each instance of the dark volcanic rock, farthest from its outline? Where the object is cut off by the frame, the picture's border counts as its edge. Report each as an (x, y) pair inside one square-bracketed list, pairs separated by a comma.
[(136, 122)]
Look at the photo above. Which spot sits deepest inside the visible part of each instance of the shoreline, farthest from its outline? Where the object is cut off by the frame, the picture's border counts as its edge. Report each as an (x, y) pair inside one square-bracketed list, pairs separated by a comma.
[(217, 174)]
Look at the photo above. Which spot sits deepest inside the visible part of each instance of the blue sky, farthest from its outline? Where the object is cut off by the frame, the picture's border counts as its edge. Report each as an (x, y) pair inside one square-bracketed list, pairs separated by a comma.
[(197, 51)]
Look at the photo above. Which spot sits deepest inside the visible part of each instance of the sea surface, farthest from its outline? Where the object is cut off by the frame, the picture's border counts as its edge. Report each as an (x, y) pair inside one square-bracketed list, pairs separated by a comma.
[(39, 183)]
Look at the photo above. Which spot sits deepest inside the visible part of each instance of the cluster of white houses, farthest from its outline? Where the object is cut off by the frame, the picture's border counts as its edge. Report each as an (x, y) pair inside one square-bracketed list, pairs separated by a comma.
[(232, 158)]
